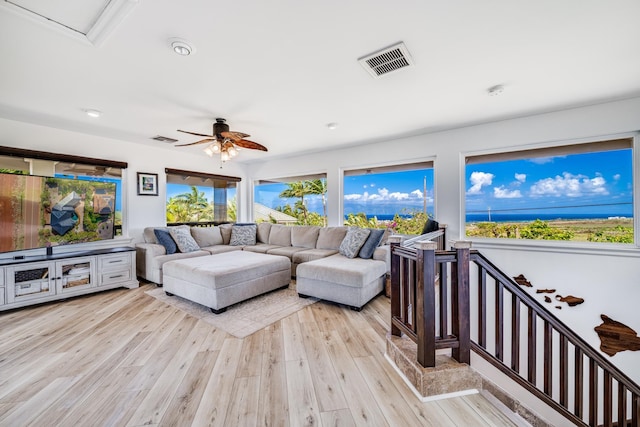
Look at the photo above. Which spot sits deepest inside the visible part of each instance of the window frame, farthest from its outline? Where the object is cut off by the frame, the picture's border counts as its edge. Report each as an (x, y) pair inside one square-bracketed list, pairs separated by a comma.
[(556, 148)]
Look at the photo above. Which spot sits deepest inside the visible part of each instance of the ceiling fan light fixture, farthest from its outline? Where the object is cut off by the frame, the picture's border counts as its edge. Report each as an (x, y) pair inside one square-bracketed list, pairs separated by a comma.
[(232, 151), (224, 156), (208, 151)]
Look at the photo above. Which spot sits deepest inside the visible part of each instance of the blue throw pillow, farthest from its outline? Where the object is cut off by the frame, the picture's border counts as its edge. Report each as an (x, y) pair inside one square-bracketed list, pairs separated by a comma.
[(372, 242), (165, 239)]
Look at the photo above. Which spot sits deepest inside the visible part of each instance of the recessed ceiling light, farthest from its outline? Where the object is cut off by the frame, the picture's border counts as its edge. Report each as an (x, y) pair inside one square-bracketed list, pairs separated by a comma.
[(93, 113), (495, 90), (332, 126), (181, 47)]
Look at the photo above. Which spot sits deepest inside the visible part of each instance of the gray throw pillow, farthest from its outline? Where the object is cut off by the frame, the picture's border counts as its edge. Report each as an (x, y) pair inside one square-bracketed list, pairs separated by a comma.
[(165, 239), (353, 241), (243, 235), (372, 242), (182, 237)]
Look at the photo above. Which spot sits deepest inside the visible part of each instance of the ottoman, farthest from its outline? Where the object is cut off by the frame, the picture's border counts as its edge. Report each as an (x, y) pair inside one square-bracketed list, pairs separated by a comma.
[(349, 281), (218, 281)]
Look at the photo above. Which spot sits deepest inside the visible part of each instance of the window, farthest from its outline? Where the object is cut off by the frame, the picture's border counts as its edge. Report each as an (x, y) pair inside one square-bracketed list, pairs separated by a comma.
[(579, 192), (42, 163), (397, 197), (195, 197), (298, 200)]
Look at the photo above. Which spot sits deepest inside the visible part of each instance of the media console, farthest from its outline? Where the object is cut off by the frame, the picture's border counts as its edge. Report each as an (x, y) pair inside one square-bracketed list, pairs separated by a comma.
[(35, 279)]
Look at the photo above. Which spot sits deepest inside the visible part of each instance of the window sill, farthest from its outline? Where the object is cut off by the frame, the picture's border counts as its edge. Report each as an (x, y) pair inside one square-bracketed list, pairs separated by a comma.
[(555, 246)]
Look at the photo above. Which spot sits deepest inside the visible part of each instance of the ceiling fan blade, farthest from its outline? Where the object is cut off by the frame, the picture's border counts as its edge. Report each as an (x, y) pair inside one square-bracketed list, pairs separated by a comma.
[(234, 136), (196, 134), (202, 141), (244, 143)]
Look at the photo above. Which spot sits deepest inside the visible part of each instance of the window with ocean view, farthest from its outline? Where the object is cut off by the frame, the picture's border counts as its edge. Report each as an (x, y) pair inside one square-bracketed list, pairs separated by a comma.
[(397, 197), (579, 192)]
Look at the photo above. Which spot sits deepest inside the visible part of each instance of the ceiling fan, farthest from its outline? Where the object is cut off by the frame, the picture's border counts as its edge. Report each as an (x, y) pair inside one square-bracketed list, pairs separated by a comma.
[(223, 141)]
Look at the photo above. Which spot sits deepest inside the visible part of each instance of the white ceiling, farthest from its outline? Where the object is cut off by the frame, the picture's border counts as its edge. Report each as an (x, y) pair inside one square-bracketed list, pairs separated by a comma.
[(282, 70)]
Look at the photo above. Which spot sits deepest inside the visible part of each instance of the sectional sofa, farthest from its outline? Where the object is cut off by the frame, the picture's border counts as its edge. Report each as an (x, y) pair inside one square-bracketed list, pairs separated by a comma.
[(332, 271)]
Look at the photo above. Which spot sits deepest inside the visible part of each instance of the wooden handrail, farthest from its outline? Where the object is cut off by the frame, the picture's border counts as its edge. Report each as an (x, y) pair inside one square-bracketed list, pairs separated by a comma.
[(577, 381)]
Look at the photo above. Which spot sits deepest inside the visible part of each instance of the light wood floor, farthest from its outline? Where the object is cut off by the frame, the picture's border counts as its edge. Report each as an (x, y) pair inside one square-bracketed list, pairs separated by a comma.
[(123, 358)]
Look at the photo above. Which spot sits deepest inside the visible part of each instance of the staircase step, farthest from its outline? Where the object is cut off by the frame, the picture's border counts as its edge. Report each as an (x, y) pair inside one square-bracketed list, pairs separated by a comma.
[(448, 378)]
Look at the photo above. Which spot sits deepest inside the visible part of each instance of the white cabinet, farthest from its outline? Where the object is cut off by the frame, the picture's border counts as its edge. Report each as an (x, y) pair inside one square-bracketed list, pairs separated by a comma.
[(28, 282), (75, 274), (31, 281), (116, 268)]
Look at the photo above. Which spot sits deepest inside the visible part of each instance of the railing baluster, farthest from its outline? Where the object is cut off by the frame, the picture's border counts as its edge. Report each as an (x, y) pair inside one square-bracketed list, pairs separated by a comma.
[(482, 307), (622, 404), (426, 303), (499, 315), (564, 370), (548, 357), (515, 333), (460, 311), (396, 307), (593, 392), (635, 410), (578, 391), (608, 399), (444, 299), (532, 345)]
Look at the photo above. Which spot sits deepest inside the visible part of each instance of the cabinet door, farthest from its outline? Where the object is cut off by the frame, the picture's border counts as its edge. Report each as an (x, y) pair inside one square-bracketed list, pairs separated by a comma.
[(75, 274), (115, 268), (30, 281)]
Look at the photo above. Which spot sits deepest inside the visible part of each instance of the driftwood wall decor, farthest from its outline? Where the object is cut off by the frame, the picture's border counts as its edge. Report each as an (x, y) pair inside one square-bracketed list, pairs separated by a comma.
[(616, 336)]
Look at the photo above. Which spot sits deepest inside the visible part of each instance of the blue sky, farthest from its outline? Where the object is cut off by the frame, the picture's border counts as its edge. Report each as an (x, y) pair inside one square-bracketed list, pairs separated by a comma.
[(373, 194), (591, 183)]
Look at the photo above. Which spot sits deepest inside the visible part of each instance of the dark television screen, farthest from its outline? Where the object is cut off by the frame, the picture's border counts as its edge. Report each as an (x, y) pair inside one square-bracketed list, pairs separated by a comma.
[(38, 211)]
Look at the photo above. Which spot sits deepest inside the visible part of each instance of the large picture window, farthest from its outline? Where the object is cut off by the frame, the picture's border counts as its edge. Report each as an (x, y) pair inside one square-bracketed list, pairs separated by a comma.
[(199, 198), (579, 192), (299, 200), (397, 197)]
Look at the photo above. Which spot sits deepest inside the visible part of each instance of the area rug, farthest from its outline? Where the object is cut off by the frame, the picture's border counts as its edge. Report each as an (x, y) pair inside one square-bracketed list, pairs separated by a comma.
[(245, 318)]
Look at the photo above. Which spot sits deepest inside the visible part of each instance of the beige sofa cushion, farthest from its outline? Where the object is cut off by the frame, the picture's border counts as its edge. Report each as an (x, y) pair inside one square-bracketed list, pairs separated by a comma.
[(331, 237), (280, 235), (311, 255), (225, 230), (304, 236), (262, 235), (207, 236)]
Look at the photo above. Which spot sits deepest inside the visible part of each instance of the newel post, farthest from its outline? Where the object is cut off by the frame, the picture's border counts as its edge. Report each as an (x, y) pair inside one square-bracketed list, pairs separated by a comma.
[(425, 309), (394, 241), (461, 311)]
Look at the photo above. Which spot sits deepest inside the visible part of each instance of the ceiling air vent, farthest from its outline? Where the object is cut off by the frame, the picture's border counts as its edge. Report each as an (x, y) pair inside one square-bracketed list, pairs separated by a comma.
[(164, 139), (387, 60)]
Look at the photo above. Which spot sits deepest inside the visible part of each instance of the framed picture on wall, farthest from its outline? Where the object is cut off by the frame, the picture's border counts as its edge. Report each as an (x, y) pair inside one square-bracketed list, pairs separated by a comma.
[(147, 184)]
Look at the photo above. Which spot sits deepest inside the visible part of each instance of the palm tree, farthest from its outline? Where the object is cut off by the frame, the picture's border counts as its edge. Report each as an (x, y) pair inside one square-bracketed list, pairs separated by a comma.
[(187, 207), (319, 187), (296, 190)]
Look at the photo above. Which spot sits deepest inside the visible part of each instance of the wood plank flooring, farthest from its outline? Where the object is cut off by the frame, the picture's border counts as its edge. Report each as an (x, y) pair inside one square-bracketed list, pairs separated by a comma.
[(122, 358)]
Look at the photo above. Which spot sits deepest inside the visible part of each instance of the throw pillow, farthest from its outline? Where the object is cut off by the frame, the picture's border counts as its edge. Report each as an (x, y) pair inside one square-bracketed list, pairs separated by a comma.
[(165, 239), (206, 236), (353, 241), (243, 235), (183, 239), (372, 242)]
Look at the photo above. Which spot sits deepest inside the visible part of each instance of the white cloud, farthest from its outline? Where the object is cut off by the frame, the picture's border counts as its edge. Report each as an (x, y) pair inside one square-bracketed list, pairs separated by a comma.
[(398, 196), (569, 185), (417, 194), (479, 180), (353, 196), (616, 177), (383, 192), (504, 193), (521, 177)]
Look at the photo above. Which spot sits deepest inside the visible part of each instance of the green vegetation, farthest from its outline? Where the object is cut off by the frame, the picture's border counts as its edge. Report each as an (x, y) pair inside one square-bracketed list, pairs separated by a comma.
[(409, 222), (298, 190), (189, 207), (609, 230)]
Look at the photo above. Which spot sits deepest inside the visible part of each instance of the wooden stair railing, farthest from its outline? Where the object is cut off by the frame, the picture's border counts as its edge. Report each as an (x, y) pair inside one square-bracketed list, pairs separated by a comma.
[(522, 339)]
